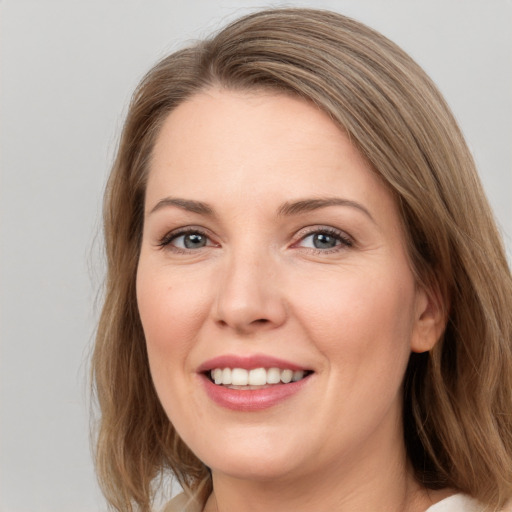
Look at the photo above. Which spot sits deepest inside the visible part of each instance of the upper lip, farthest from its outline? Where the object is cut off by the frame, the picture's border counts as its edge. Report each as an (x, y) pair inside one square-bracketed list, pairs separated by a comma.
[(248, 363)]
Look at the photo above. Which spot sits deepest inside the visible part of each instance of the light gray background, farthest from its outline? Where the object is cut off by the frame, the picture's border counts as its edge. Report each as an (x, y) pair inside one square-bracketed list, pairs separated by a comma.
[(67, 70)]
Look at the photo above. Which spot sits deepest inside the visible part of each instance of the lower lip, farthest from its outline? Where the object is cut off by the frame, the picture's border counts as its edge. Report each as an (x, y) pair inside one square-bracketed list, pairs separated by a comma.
[(251, 399)]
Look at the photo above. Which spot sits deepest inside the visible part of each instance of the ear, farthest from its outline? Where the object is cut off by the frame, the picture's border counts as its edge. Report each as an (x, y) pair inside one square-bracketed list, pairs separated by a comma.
[(430, 319)]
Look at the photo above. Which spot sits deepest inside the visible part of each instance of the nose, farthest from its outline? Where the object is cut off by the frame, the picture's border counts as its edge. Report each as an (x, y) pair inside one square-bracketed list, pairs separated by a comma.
[(249, 297)]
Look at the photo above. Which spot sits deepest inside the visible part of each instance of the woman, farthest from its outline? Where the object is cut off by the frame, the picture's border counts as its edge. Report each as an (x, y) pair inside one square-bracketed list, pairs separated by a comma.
[(308, 305)]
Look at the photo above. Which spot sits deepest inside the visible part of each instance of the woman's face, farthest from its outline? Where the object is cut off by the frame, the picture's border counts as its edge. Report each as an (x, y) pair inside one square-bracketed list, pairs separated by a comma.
[(270, 245)]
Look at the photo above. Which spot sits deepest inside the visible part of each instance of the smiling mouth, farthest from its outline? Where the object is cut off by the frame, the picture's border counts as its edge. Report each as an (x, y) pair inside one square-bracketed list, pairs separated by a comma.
[(257, 378)]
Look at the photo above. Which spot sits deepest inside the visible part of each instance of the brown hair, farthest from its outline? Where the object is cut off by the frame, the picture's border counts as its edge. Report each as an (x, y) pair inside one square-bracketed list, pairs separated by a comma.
[(457, 399)]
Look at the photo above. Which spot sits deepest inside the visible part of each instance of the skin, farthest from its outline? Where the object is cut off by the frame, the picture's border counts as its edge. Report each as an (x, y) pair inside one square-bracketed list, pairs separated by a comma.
[(260, 284)]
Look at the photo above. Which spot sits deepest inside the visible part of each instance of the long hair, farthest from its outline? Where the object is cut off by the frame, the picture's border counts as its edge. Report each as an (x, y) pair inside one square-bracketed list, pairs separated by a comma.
[(457, 397)]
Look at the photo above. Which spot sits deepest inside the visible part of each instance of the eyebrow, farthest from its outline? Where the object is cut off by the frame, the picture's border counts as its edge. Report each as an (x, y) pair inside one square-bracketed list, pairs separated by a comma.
[(289, 208), (185, 204), (308, 205)]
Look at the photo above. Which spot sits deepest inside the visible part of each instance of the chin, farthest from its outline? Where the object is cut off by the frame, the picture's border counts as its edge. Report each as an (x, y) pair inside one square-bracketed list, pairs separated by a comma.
[(256, 468), (253, 455)]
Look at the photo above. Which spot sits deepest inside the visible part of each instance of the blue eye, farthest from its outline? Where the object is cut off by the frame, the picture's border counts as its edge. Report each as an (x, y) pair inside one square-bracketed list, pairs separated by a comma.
[(186, 240), (324, 240), (190, 241)]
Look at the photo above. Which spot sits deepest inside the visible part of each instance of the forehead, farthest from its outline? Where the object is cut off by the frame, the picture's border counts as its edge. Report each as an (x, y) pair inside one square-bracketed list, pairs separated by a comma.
[(221, 145)]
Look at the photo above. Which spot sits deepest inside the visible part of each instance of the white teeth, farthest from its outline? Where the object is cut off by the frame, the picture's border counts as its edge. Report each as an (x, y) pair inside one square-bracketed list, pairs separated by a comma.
[(297, 375), (254, 377), (273, 376), (239, 377), (287, 376), (226, 376), (257, 377), (217, 376)]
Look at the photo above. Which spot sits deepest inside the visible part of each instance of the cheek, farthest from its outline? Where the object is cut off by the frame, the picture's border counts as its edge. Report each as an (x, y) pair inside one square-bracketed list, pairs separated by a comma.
[(166, 305), (360, 320), (171, 314)]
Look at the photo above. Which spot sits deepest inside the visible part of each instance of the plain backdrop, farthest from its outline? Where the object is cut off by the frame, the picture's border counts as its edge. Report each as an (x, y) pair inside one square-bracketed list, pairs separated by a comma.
[(68, 68)]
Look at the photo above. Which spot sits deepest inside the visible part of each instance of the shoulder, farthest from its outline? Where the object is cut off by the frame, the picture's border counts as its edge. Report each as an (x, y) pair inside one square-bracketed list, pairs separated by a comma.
[(182, 503)]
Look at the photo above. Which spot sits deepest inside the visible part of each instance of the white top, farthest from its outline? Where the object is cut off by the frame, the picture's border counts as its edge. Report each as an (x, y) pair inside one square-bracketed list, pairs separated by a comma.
[(455, 503)]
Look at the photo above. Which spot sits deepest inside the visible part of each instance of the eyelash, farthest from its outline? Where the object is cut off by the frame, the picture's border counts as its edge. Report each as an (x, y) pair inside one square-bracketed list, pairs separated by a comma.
[(345, 240)]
